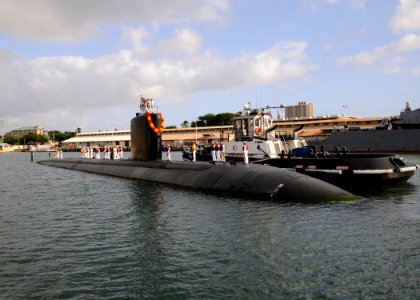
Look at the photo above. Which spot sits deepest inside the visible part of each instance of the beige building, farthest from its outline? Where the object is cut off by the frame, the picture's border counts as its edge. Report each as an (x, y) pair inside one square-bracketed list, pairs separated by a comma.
[(22, 131), (176, 137), (99, 138), (301, 111)]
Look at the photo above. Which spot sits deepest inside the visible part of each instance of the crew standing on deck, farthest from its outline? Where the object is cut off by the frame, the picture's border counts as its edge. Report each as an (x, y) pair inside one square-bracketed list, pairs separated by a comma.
[(218, 152), (58, 153), (168, 152), (213, 151), (120, 152), (245, 149), (98, 152), (223, 150), (115, 152), (106, 152), (194, 152)]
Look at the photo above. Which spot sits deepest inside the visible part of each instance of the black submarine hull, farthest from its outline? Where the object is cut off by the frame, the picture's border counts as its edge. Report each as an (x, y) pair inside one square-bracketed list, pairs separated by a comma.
[(354, 172), (240, 179)]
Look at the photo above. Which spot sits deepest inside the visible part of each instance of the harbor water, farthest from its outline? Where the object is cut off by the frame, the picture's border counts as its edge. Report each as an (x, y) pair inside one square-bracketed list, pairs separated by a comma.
[(72, 235)]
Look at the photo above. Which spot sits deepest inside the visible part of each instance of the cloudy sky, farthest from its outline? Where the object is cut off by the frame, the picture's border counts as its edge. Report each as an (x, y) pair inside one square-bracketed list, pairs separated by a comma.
[(84, 63)]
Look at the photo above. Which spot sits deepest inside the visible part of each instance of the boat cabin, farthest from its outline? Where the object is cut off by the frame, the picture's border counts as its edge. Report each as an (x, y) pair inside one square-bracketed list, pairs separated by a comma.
[(253, 123)]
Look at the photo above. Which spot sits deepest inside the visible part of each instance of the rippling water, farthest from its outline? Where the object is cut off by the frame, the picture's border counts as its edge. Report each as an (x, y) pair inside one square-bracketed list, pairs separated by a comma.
[(69, 234)]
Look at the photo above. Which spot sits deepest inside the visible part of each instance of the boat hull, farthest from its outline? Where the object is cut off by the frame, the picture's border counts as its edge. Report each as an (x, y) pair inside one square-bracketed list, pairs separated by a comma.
[(398, 141), (352, 171)]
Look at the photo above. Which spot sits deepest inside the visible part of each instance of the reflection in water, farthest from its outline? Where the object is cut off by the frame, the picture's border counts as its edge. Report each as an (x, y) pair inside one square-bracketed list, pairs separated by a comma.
[(69, 234), (396, 190)]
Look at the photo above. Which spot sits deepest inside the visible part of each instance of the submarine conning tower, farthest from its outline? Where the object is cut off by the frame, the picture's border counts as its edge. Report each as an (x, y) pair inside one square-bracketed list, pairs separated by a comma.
[(146, 132)]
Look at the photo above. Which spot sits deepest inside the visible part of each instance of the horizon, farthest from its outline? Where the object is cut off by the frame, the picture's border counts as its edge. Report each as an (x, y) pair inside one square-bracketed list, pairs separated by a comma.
[(179, 127)]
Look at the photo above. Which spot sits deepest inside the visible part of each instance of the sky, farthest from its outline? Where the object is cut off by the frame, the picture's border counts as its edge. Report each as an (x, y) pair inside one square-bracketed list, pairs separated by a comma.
[(85, 63)]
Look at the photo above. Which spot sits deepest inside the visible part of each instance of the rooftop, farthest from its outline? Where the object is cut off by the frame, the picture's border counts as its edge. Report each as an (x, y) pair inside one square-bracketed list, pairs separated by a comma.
[(28, 128)]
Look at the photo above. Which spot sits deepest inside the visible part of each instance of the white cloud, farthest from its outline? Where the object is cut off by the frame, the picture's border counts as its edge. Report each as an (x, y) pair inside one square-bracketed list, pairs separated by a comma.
[(315, 4), (75, 91), (135, 37), (408, 43), (358, 4), (392, 70), (69, 86), (185, 41), (407, 17), (79, 19), (415, 71), (329, 46)]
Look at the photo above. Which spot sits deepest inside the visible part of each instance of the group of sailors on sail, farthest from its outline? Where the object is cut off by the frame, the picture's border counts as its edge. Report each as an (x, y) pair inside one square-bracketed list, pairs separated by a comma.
[(110, 152)]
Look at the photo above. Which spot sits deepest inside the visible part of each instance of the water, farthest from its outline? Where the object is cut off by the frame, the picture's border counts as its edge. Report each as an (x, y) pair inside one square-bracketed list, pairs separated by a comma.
[(73, 235)]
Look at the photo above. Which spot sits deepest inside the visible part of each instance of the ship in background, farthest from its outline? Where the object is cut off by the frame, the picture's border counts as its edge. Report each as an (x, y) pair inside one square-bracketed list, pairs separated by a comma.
[(394, 135)]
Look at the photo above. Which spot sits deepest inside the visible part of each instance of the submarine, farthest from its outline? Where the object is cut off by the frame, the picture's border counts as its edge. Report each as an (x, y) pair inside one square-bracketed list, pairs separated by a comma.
[(250, 180)]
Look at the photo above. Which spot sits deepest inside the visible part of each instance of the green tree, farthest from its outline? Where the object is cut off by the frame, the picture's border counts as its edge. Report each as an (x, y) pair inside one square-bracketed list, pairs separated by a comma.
[(207, 119), (215, 120), (185, 124), (10, 139), (59, 136), (170, 127), (32, 138), (224, 118)]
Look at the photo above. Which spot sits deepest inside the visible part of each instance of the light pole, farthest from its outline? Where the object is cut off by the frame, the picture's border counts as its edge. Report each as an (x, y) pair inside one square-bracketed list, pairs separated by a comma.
[(345, 110), (345, 114), (1, 130), (196, 120)]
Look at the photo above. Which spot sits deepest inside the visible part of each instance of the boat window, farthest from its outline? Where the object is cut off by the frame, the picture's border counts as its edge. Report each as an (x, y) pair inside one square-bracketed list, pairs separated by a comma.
[(398, 162), (258, 122), (237, 125), (267, 122)]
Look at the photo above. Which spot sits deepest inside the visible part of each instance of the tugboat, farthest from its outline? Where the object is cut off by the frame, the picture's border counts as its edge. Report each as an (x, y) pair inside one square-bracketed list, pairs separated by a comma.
[(255, 128), (352, 171)]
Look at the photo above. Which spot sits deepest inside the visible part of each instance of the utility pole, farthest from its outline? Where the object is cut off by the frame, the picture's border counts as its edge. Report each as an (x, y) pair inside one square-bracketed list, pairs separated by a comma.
[(196, 131), (345, 115), (1, 130)]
